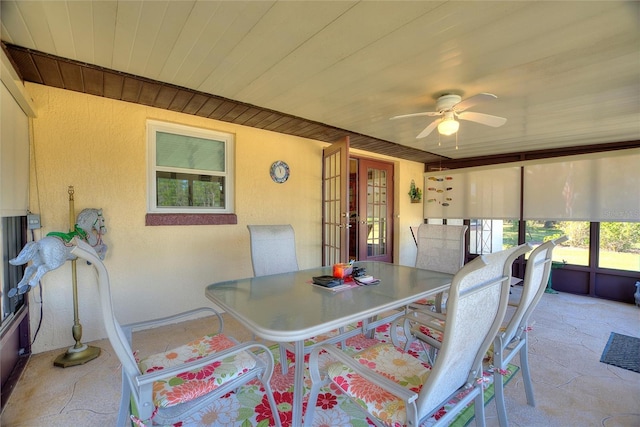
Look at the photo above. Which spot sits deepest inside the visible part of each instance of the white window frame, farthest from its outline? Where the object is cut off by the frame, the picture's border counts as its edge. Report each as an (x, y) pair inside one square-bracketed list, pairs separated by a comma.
[(154, 126)]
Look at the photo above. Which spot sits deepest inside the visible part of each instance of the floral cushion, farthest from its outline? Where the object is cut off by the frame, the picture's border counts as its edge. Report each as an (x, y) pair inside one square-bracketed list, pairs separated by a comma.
[(394, 364), (190, 385), (434, 333)]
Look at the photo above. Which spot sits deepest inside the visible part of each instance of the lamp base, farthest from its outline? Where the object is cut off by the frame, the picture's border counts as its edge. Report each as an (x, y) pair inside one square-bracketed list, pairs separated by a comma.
[(77, 356)]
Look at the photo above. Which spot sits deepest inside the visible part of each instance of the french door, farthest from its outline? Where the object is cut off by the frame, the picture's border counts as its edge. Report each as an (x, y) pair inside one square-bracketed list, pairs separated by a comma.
[(335, 221), (357, 207), (375, 211)]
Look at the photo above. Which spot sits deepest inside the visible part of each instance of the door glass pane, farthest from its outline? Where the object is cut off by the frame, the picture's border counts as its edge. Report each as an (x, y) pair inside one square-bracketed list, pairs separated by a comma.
[(376, 210), (619, 246), (353, 229), (332, 209)]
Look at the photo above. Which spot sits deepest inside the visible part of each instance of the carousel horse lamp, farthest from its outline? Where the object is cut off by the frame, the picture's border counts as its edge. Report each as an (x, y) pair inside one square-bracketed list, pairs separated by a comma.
[(53, 251)]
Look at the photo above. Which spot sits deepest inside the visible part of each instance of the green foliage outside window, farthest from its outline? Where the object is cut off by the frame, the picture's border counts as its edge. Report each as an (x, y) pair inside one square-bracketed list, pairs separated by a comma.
[(189, 190)]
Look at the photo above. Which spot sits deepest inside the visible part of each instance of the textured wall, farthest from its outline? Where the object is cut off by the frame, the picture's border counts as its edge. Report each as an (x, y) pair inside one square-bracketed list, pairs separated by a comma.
[(98, 145)]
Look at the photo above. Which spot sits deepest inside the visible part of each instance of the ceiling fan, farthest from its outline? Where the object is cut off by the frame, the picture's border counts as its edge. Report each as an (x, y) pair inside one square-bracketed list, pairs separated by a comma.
[(450, 107)]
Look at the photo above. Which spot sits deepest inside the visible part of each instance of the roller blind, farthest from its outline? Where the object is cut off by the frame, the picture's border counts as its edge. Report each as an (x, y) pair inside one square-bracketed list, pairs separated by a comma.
[(182, 151), (599, 187), (489, 193)]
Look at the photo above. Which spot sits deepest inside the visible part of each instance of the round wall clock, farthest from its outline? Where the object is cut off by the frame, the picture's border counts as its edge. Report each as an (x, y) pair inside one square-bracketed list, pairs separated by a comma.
[(279, 171)]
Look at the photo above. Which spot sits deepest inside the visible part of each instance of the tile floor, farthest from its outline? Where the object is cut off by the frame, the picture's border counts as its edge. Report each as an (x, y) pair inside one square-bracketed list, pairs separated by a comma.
[(572, 387)]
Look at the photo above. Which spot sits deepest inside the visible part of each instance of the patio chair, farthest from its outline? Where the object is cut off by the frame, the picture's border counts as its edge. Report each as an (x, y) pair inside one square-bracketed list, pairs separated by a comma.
[(513, 339), (273, 251), (395, 388), (440, 248), (165, 388), (429, 330)]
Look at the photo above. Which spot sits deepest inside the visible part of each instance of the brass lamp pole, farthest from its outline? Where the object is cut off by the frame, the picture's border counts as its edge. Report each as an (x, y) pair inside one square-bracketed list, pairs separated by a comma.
[(79, 353)]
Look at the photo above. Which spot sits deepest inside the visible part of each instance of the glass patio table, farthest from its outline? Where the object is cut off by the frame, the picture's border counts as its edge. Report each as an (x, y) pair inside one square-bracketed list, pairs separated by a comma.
[(288, 308)]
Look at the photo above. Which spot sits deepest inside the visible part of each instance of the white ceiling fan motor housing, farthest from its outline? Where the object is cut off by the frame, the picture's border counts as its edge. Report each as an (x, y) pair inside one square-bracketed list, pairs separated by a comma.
[(446, 102)]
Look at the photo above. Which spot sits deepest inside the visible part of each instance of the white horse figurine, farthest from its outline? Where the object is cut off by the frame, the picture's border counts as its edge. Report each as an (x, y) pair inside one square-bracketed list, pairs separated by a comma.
[(52, 251)]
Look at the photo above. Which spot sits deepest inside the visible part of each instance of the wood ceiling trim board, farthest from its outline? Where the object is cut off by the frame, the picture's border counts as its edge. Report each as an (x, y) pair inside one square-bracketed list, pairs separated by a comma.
[(195, 103), (49, 71), (209, 106), (233, 114), (131, 89), (93, 81), (180, 100), (278, 123), (165, 96), (326, 135), (331, 134), (113, 85), (71, 76), (293, 127), (309, 130), (222, 110), (24, 64), (148, 93), (253, 121), (272, 117), (247, 115)]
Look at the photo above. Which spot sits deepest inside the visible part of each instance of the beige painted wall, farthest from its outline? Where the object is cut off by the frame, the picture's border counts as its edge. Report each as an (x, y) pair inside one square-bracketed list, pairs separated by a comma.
[(98, 145)]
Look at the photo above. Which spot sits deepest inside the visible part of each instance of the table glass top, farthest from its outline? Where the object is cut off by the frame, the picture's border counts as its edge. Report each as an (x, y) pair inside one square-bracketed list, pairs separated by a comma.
[(288, 307)]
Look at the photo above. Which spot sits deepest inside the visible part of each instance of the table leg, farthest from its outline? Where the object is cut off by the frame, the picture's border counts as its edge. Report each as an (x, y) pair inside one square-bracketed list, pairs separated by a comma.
[(298, 384)]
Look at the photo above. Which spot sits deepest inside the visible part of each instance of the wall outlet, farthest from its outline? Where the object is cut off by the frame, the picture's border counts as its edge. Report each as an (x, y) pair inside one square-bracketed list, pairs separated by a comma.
[(33, 221)]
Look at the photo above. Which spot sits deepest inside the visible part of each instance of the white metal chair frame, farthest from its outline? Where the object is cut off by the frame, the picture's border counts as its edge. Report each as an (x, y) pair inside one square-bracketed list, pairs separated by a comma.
[(440, 248), (435, 321), (137, 387), (477, 305), (273, 251), (514, 339)]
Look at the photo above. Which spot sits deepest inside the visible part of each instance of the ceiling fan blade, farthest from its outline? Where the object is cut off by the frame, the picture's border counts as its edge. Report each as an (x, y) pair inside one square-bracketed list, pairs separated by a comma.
[(485, 119), (428, 129), (473, 100), (426, 113)]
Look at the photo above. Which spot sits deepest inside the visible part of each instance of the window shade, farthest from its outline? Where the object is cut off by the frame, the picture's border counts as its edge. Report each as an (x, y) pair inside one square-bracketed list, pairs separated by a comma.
[(600, 187), (489, 193), (189, 152)]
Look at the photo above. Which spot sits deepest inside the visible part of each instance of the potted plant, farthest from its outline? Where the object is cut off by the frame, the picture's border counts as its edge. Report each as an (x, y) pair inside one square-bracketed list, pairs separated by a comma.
[(415, 193)]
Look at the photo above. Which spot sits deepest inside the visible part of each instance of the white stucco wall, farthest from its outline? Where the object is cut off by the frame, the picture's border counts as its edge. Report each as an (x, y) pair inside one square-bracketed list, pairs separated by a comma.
[(98, 145)]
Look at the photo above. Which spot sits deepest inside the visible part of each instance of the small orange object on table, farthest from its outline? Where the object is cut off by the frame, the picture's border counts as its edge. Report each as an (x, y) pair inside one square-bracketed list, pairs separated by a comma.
[(342, 271)]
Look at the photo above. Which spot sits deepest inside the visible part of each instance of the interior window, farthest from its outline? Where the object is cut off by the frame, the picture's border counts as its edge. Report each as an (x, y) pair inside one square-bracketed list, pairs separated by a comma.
[(190, 169)]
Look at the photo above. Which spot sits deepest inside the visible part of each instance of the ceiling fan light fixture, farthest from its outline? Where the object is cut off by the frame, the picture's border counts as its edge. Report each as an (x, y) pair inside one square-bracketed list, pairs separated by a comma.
[(448, 126)]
